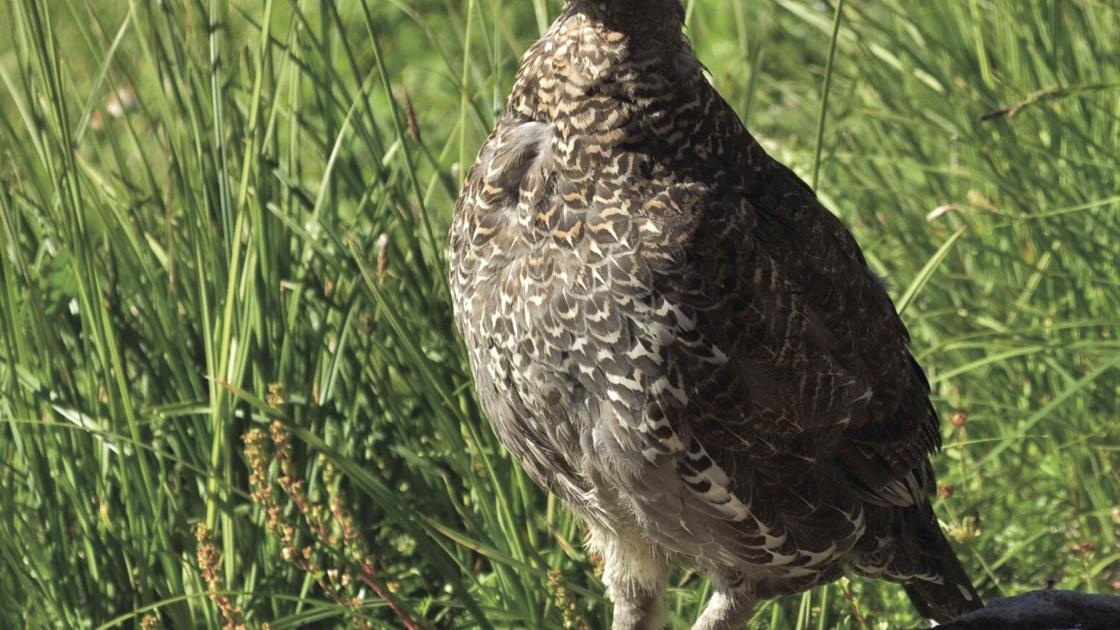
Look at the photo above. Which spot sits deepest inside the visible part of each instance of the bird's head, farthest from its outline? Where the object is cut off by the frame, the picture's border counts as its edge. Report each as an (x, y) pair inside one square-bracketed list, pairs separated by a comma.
[(643, 19)]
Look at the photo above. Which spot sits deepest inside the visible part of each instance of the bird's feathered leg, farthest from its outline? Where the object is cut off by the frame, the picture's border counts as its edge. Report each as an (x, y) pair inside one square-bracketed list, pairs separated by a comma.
[(731, 605), (634, 573)]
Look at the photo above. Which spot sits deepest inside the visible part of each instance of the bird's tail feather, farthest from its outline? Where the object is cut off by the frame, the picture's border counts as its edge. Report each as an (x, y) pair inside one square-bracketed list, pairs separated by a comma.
[(951, 594)]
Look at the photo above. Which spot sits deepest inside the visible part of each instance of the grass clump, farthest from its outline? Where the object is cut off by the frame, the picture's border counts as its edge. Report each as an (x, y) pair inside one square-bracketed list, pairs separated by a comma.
[(223, 219)]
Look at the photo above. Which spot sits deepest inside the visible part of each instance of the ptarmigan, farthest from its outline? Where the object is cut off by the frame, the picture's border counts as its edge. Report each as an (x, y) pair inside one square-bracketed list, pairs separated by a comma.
[(670, 333)]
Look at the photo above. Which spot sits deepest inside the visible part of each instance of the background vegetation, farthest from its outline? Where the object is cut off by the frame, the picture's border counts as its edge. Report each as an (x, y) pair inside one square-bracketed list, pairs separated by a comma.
[(216, 215)]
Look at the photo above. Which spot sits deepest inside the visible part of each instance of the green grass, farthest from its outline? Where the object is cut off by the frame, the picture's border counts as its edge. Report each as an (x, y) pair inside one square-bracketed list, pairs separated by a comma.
[(261, 237)]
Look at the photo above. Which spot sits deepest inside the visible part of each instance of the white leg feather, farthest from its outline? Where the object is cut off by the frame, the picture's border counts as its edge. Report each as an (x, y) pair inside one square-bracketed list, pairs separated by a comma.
[(634, 574)]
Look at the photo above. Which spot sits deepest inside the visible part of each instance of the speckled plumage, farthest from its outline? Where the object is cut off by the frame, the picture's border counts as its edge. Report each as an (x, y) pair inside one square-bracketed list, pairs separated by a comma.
[(670, 333)]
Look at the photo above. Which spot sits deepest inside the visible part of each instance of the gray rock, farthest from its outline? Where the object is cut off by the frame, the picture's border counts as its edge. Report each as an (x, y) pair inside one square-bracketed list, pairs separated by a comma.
[(1044, 610)]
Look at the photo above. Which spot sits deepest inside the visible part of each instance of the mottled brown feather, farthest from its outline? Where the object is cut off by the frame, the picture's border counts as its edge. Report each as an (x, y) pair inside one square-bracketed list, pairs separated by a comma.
[(671, 333)]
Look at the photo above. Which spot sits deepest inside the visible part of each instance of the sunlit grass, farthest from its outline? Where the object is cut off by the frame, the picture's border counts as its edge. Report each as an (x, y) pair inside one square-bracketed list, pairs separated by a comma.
[(216, 215)]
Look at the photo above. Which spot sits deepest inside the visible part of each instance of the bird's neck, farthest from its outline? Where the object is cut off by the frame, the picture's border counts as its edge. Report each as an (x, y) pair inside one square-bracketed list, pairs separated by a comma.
[(649, 20)]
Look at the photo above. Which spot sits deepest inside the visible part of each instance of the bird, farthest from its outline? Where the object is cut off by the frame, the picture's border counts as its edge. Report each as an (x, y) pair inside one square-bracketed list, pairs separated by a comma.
[(668, 331)]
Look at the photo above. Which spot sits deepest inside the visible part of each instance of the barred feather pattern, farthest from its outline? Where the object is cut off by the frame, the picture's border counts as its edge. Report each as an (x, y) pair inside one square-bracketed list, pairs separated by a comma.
[(669, 331)]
